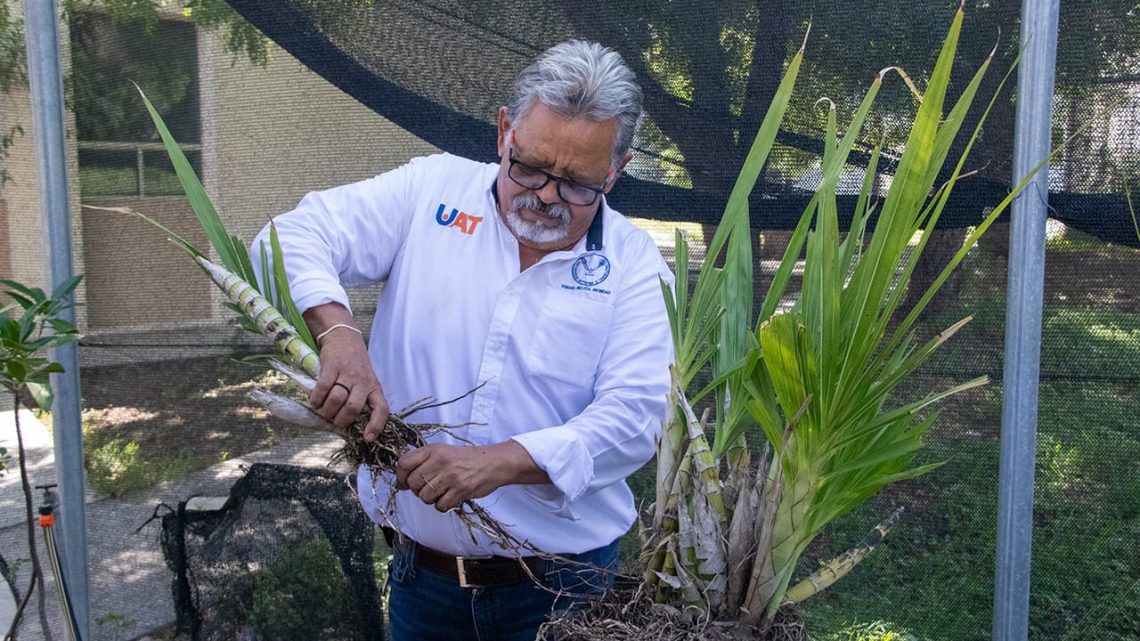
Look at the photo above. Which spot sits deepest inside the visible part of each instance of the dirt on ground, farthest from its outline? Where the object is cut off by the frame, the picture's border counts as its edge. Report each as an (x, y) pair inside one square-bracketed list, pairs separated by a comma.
[(180, 416)]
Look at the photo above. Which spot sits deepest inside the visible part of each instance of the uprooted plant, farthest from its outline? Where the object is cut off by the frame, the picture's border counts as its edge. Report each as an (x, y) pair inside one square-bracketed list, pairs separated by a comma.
[(814, 375)]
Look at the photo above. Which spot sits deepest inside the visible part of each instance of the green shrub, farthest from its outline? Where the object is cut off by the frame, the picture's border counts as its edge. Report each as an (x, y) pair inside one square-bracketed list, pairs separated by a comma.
[(303, 596)]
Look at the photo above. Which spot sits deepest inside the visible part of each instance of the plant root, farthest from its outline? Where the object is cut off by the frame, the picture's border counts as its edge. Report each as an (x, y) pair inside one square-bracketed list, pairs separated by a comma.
[(622, 616)]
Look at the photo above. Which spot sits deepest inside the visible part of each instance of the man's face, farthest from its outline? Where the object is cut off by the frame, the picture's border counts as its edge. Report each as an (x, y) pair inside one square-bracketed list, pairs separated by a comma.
[(576, 149)]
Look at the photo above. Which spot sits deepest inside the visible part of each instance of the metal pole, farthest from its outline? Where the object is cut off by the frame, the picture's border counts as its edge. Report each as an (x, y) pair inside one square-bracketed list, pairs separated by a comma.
[(46, 82), (1032, 138)]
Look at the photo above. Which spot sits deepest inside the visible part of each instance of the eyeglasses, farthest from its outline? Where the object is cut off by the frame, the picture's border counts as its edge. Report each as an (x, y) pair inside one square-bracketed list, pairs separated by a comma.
[(534, 179)]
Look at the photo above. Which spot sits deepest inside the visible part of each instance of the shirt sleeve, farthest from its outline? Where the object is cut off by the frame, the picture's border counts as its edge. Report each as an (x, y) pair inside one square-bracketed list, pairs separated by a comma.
[(617, 432), (345, 236)]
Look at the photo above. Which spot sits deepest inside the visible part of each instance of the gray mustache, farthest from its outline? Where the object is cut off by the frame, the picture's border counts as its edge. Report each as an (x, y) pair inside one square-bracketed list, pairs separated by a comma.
[(531, 201)]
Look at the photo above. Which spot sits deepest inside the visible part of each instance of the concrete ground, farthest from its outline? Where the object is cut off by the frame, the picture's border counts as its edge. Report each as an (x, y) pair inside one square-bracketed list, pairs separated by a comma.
[(129, 581)]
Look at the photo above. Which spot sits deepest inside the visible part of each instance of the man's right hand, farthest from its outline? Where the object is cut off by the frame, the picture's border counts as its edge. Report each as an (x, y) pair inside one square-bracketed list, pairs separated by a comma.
[(347, 383)]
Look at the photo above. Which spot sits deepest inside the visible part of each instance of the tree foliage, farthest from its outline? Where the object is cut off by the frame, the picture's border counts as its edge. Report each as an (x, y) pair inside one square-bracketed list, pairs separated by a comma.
[(24, 337)]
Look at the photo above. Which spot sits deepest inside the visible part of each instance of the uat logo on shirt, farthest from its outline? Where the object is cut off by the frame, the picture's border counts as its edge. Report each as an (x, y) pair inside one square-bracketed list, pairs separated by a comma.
[(456, 219)]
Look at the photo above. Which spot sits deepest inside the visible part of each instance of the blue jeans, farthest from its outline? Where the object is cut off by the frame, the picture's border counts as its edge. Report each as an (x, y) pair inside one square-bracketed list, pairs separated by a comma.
[(424, 606)]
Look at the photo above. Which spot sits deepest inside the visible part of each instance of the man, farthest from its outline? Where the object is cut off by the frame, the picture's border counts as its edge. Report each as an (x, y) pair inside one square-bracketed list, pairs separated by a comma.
[(517, 281)]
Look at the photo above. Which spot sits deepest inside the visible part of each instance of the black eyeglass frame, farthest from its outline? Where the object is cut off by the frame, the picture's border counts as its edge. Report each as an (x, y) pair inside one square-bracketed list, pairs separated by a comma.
[(558, 181)]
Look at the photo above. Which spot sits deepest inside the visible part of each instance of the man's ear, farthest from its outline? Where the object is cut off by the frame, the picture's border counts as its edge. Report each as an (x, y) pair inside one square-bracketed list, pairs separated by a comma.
[(504, 127), (618, 169)]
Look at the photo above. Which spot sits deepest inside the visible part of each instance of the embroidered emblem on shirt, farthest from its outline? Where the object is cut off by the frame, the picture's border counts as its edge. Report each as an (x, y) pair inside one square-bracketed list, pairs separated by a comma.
[(590, 269), (456, 219)]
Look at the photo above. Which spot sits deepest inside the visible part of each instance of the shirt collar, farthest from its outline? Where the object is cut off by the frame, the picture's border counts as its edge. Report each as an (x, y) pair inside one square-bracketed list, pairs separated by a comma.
[(597, 227)]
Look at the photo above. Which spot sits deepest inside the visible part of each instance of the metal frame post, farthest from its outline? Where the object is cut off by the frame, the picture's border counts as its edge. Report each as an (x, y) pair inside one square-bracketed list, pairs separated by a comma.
[(46, 82), (1032, 139)]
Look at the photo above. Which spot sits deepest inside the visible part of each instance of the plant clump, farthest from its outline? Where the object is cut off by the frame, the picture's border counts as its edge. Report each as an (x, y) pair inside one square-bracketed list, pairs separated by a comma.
[(620, 617)]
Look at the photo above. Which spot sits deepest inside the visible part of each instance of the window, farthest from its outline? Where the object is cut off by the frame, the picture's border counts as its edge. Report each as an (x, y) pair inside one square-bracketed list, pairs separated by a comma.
[(120, 152)]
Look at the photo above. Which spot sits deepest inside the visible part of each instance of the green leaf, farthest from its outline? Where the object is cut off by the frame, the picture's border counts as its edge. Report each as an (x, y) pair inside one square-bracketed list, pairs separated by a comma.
[(32, 294), (780, 344), (286, 305), (266, 271), (16, 370), (174, 238), (41, 394), (9, 329), (735, 228), (27, 323), (64, 289), (244, 262), (60, 326), (235, 261), (22, 301)]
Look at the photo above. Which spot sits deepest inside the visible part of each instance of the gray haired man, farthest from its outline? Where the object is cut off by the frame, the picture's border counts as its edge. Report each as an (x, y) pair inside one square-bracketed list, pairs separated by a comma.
[(519, 281)]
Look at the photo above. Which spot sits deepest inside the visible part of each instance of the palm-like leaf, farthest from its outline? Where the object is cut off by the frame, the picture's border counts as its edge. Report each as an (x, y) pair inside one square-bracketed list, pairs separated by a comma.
[(831, 350), (231, 249)]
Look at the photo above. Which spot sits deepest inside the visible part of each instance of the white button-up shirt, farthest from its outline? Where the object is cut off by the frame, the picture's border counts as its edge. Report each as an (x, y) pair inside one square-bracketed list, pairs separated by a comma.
[(572, 354)]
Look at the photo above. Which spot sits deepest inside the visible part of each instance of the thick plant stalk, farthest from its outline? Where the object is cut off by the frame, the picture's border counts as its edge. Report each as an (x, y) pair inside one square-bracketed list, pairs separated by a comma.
[(762, 581), (706, 556), (673, 469), (705, 464), (693, 586), (738, 473), (701, 550), (294, 412), (838, 567), (303, 380), (791, 532), (671, 446), (741, 548), (664, 561), (270, 321)]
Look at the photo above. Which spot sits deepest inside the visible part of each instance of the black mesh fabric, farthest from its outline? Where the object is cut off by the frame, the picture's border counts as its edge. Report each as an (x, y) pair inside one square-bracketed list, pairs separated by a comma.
[(288, 557), (441, 69)]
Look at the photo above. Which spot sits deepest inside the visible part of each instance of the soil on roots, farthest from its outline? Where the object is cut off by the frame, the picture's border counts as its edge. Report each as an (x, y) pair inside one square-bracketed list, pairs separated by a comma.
[(380, 455), (625, 616)]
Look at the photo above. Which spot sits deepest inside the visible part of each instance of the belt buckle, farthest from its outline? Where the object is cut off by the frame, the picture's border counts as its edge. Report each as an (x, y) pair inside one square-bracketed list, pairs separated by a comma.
[(461, 569)]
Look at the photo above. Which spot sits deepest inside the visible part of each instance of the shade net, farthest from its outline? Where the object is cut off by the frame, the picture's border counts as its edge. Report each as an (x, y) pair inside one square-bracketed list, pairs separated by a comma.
[(271, 99), (286, 556)]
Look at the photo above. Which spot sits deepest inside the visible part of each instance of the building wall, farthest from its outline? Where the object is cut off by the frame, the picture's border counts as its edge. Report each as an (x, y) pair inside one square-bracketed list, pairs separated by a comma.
[(136, 279), (272, 134), (269, 135), (23, 244)]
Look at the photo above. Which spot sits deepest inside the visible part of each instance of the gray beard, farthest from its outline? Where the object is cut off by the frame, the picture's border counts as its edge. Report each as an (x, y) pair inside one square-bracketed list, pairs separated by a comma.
[(537, 232)]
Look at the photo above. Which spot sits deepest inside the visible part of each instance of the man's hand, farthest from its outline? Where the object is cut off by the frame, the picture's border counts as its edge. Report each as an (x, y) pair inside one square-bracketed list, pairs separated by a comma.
[(448, 475), (347, 383)]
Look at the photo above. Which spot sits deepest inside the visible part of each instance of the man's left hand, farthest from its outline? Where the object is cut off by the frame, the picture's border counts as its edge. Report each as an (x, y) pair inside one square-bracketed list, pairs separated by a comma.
[(448, 475)]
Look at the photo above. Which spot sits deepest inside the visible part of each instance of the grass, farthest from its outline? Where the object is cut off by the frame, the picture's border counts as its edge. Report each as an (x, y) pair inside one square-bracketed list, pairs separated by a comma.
[(932, 578), (933, 575)]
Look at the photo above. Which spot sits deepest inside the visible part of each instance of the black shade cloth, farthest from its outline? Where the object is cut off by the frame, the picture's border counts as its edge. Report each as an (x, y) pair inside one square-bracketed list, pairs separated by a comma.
[(440, 69)]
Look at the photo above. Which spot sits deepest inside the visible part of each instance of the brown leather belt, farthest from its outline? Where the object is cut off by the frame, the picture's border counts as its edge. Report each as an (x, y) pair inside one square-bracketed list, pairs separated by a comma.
[(470, 571), (475, 572)]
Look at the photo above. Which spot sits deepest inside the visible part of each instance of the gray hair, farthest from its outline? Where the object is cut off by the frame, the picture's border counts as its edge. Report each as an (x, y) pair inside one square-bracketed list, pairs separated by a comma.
[(581, 79)]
